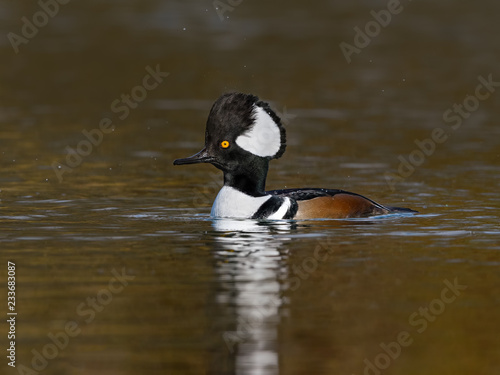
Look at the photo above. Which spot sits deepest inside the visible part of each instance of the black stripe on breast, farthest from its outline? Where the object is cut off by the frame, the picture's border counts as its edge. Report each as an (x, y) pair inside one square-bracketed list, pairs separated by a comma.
[(268, 208), (272, 205), (292, 211)]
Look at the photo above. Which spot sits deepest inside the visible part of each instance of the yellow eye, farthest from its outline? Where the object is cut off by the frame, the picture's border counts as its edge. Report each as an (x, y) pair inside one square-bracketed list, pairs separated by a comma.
[(224, 144)]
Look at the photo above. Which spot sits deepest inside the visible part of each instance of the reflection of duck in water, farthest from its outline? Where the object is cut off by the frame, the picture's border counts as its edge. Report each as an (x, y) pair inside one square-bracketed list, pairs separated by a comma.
[(243, 134), (253, 226), (252, 266)]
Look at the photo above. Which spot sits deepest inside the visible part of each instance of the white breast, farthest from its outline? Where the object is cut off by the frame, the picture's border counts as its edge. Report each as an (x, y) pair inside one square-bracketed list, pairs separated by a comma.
[(235, 204)]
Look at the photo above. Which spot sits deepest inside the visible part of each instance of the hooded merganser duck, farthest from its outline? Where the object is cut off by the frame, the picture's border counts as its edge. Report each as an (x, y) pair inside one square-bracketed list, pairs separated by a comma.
[(242, 135)]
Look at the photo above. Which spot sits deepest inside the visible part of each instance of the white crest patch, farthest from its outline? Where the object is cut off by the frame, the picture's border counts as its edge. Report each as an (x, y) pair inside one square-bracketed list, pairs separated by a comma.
[(264, 138)]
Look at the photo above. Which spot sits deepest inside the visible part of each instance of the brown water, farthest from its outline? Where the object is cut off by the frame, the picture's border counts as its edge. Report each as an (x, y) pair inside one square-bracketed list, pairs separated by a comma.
[(195, 295)]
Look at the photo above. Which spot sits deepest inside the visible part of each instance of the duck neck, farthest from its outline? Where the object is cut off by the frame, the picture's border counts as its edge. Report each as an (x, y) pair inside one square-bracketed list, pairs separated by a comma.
[(251, 182)]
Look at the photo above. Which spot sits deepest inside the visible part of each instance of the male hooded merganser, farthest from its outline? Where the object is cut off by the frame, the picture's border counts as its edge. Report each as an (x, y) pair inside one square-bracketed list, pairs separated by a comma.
[(243, 134)]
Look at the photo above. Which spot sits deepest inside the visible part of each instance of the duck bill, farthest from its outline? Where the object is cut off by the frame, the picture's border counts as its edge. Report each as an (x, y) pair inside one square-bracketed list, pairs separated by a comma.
[(200, 157)]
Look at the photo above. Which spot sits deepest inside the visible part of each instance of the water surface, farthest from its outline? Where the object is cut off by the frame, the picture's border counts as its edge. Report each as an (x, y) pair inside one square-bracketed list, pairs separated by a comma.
[(120, 241)]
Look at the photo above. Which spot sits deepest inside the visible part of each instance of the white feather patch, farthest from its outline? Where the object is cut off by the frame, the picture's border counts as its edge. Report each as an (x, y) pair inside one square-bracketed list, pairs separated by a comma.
[(281, 211), (264, 138), (232, 203)]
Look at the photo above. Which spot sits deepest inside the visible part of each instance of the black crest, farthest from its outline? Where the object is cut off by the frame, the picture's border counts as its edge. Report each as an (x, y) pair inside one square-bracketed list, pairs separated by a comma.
[(234, 113)]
